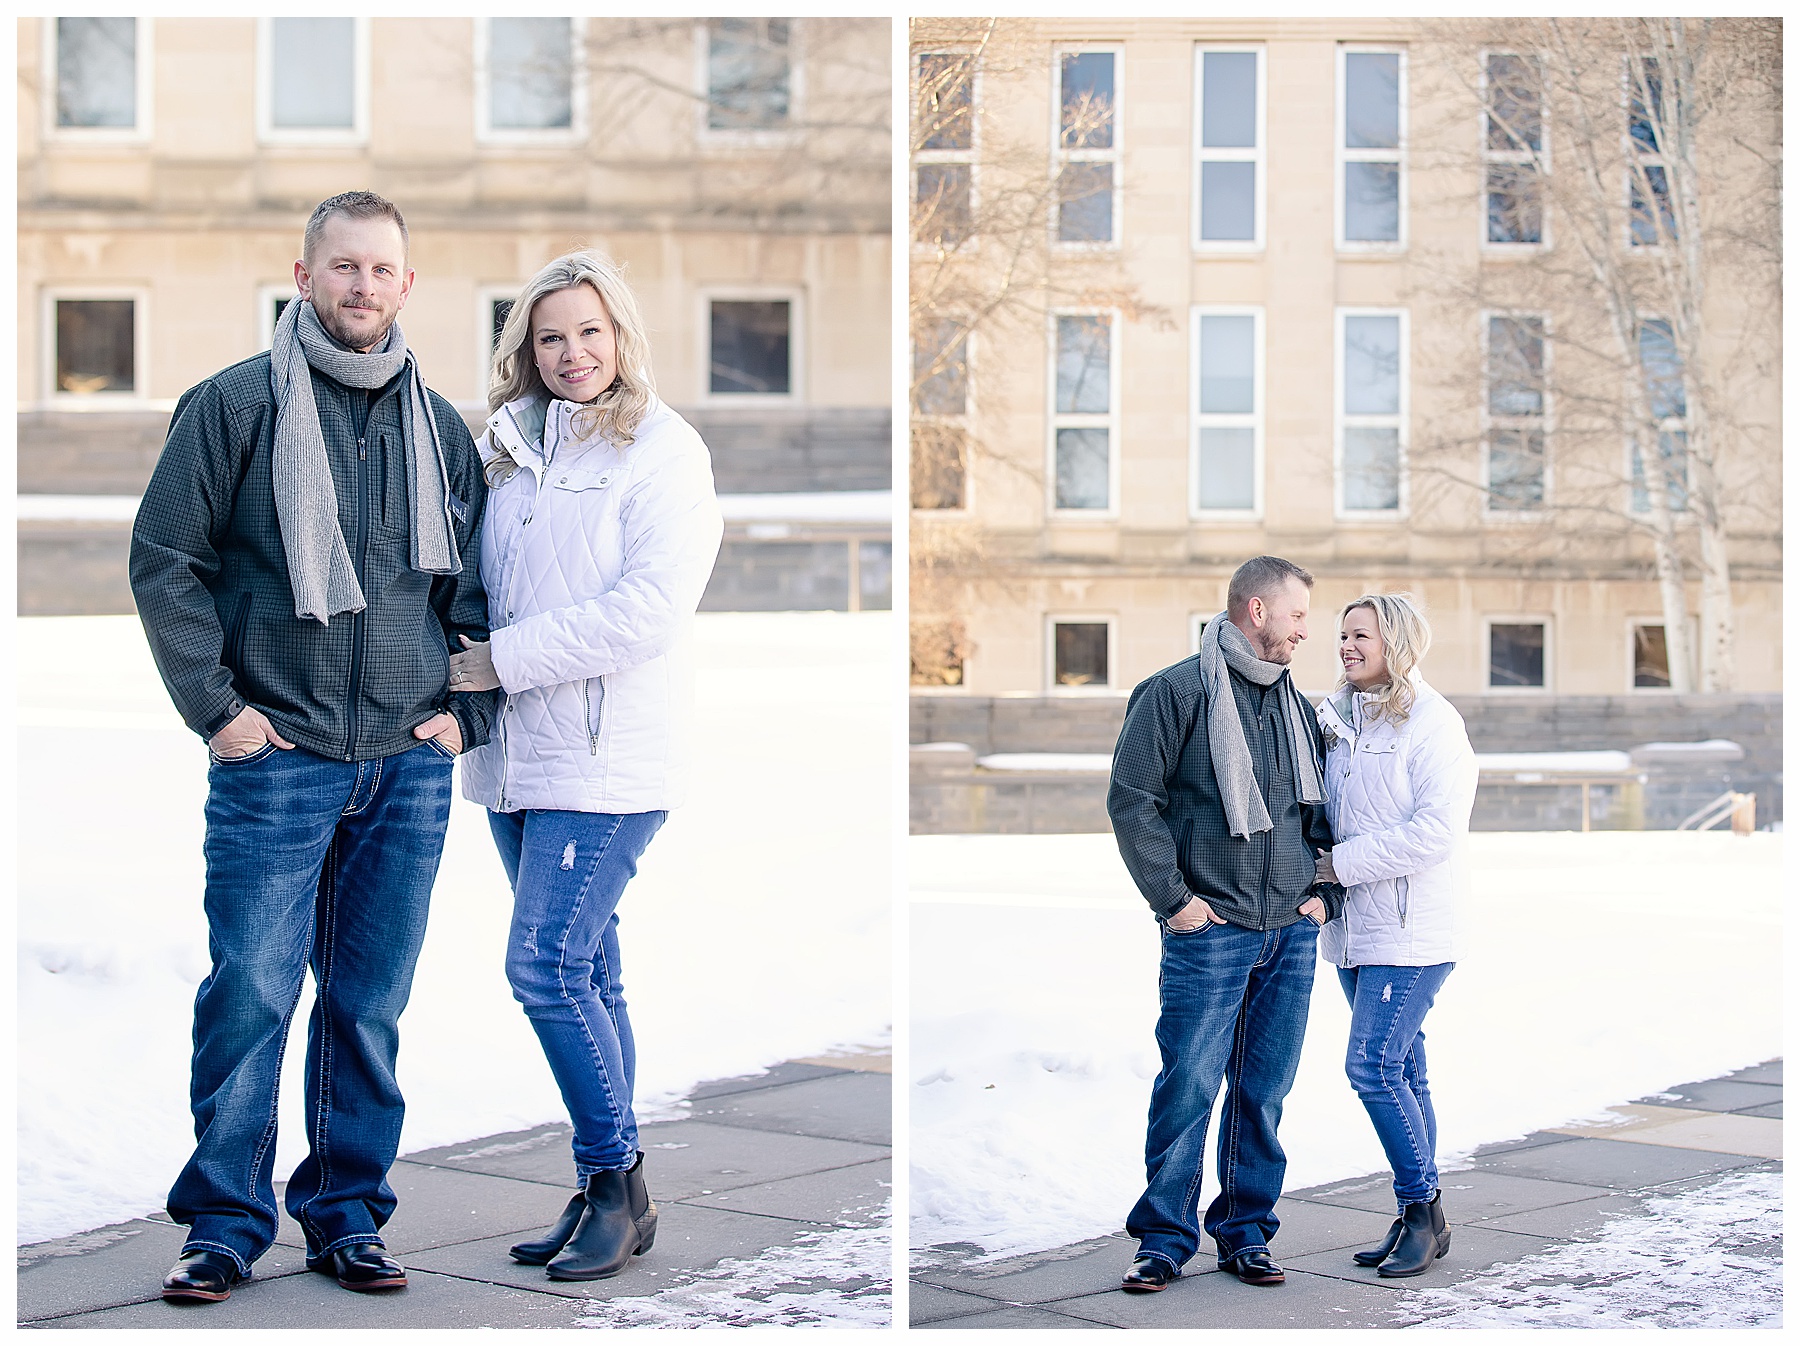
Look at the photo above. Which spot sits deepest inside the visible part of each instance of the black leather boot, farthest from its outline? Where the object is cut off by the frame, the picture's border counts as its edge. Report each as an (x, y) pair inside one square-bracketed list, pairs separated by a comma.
[(535, 1252), (1424, 1238), (1369, 1257), (613, 1227)]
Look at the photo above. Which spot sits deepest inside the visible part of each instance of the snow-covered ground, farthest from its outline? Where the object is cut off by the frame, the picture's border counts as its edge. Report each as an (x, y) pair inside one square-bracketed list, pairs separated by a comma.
[(757, 930), (1593, 969)]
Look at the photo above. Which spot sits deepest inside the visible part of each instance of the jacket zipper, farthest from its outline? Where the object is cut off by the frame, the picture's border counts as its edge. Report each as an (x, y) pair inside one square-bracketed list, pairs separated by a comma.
[(234, 641), (356, 618), (589, 720)]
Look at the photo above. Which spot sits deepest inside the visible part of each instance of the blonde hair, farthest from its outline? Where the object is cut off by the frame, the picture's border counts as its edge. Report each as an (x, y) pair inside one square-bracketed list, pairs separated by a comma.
[(1405, 637), (619, 409)]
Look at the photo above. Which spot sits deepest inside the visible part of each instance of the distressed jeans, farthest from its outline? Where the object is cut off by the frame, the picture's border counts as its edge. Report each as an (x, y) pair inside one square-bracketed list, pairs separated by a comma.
[(568, 871), (1386, 1065), (1234, 1004), (309, 861)]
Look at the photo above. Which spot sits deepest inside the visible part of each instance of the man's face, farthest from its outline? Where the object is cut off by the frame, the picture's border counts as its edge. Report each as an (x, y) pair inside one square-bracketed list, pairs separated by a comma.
[(358, 280), (1278, 623)]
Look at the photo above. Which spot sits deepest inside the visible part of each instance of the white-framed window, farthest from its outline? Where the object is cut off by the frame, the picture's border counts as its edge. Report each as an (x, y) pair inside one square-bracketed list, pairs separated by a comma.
[(312, 81), (1079, 653), (99, 79), (1518, 652), (750, 78), (493, 304), (1084, 413), (1666, 394), (1515, 412), (946, 88), (96, 346), (1647, 650), (271, 300), (1086, 104), (751, 345), (1650, 110), (530, 80), (1371, 149), (1371, 413), (1225, 398), (1230, 121), (1515, 152), (939, 461), (1197, 629)]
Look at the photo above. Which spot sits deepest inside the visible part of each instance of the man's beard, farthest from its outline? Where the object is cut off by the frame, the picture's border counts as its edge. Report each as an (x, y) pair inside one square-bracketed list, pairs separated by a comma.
[(332, 321), (1280, 652)]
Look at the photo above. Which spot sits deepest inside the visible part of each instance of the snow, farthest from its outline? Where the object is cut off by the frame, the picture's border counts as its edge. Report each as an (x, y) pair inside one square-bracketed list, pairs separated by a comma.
[(1661, 1269), (1033, 992), (870, 507), (1603, 761), (873, 507), (79, 508), (1095, 762), (824, 1278), (780, 861)]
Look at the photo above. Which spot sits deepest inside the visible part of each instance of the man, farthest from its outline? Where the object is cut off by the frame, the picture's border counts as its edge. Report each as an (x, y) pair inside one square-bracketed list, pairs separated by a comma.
[(304, 563), (1217, 805)]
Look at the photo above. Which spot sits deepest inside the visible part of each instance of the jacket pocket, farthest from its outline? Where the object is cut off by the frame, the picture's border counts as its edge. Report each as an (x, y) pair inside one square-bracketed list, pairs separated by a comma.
[(593, 706), (234, 636)]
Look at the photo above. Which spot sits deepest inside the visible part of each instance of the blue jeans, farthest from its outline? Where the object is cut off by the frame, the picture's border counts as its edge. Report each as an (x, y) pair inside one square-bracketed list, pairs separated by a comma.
[(327, 863), (1234, 1004), (1386, 1065), (568, 871)]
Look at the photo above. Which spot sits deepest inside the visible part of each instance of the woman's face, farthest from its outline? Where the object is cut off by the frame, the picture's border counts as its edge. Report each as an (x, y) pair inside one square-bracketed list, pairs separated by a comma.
[(573, 344), (1359, 648)]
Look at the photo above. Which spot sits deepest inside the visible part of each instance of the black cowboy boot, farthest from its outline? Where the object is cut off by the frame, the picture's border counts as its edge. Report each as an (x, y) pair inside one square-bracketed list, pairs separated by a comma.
[(1369, 1257), (613, 1227), (1424, 1238)]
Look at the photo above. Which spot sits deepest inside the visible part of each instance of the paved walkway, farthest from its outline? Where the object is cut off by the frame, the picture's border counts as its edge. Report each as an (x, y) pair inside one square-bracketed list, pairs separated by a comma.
[(1682, 1187), (773, 1191)]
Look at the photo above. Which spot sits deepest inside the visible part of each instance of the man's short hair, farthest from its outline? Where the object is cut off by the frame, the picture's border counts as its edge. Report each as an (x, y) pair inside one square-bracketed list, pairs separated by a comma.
[(1260, 577), (358, 206)]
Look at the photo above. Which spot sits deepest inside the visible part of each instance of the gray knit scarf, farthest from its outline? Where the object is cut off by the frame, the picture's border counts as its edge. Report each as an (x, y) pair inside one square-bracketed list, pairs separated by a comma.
[(319, 565), (1224, 650)]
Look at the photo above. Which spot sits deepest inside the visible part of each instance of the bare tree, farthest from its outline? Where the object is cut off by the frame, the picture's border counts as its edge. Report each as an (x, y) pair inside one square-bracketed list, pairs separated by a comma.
[(1631, 171), (987, 208)]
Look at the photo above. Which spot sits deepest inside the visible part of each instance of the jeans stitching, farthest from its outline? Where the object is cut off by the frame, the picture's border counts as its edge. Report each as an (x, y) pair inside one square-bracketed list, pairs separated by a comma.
[(268, 1135), (194, 1245)]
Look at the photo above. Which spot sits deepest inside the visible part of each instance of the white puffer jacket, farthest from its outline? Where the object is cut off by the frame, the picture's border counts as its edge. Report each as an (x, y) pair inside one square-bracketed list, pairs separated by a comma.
[(1399, 799), (594, 559)]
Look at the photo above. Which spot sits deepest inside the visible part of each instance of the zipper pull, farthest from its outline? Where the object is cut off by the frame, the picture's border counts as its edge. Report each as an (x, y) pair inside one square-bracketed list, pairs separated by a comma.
[(362, 450)]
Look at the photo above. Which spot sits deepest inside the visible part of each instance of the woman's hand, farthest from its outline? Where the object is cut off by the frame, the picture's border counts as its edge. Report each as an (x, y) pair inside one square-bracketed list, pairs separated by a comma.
[(1326, 874), (472, 670)]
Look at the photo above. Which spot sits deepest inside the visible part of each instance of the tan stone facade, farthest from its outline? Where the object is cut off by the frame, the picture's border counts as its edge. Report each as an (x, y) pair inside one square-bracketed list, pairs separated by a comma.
[(192, 210), (1045, 535)]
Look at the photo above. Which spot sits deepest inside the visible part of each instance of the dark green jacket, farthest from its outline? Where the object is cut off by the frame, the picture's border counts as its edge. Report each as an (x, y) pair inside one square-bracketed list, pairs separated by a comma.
[(1169, 819), (211, 578)]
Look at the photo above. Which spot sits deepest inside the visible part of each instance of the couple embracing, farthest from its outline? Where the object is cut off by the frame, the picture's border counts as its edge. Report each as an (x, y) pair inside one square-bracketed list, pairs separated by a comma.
[(345, 592), (1265, 834)]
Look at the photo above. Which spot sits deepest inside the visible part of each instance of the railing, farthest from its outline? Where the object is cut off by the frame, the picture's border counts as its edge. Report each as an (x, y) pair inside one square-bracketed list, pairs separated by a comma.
[(1740, 808)]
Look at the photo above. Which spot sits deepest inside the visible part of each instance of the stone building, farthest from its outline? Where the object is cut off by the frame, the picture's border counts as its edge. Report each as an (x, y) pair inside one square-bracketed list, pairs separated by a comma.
[(1297, 293), (739, 168), (1189, 290)]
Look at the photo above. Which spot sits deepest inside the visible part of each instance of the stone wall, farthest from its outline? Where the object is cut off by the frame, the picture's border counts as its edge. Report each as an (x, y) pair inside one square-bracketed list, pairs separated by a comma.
[(951, 801)]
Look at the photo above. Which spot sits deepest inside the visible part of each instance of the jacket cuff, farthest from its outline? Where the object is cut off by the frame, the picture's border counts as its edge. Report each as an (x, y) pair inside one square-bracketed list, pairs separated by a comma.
[(466, 710), (233, 708)]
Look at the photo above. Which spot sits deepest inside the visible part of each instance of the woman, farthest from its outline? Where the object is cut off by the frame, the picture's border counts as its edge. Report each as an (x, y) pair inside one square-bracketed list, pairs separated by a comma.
[(600, 533), (1399, 786)]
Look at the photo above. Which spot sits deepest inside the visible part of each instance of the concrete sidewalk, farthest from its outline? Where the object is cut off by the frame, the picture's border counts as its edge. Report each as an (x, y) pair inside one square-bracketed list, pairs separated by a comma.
[(777, 1182), (1582, 1193)]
